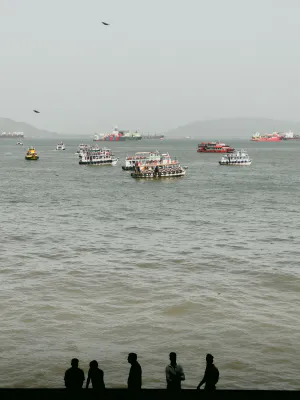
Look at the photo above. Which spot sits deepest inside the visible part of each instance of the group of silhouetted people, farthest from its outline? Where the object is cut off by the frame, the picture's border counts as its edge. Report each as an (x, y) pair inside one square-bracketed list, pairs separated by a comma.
[(74, 376)]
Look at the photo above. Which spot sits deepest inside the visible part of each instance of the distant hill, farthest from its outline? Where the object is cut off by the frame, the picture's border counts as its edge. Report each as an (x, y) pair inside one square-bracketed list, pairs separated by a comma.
[(8, 125), (242, 128)]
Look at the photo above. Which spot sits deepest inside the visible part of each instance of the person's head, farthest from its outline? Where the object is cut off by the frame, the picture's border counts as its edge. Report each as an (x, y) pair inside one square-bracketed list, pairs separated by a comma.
[(93, 364), (172, 357), (74, 362), (132, 357), (209, 359)]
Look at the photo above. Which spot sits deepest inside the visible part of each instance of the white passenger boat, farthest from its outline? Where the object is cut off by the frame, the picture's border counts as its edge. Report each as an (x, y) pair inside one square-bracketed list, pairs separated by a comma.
[(97, 156), (82, 147), (141, 156), (237, 158), (163, 168), (60, 146)]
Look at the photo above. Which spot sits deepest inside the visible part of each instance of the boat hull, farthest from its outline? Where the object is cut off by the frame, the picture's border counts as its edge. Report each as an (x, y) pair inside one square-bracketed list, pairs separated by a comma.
[(150, 175), (127, 168), (110, 139), (215, 151), (99, 162), (267, 140), (240, 164), (32, 158), (116, 139)]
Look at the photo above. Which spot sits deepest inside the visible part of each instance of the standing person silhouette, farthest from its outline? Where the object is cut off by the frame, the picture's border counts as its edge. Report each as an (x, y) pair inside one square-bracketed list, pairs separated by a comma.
[(211, 375), (174, 374), (95, 375), (134, 381), (74, 376)]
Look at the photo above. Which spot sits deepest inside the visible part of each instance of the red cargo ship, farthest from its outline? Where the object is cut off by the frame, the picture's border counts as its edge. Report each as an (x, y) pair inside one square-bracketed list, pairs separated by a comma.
[(268, 137), (214, 147)]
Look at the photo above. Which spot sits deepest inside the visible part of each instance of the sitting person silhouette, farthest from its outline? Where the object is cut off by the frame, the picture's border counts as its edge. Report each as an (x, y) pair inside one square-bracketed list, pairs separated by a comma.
[(211, 375), (74, 376), (95, 375)]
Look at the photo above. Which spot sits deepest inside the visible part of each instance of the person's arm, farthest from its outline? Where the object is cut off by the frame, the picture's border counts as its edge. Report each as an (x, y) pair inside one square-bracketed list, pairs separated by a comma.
[(88, 381), (140, 377), (168, 375), (181, 376), (129, 380), (203, 380), (66, 379), (217, 376), (102, 377), (83, 378)]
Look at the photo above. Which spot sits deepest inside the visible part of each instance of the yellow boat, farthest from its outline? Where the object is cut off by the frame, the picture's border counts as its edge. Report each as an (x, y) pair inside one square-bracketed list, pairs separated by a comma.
[(31, 154)]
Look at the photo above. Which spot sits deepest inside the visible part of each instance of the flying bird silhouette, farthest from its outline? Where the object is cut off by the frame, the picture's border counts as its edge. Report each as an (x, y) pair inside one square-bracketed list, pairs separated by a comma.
[(105, 23), (36, 111)]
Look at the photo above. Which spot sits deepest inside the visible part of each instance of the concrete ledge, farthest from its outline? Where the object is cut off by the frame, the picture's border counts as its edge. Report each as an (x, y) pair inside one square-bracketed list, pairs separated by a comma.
[(145, 394)]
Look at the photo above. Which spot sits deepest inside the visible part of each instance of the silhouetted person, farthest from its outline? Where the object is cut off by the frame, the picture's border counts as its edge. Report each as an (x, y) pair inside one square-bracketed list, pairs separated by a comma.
[(174, 374), (95, 375), (74, 376), (211, 375), (135, 374)]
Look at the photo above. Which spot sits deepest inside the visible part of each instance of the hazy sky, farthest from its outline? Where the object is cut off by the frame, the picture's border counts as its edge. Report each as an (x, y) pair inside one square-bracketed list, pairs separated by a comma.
[(161, 63)]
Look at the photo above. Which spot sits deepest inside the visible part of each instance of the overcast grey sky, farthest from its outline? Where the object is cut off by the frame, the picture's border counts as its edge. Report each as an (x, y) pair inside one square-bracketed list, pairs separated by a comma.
[(160, 64)]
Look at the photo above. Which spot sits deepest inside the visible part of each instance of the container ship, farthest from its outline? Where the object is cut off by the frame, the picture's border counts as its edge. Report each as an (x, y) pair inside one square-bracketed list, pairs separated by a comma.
[(118, 136), (214, 147), (268, 137)]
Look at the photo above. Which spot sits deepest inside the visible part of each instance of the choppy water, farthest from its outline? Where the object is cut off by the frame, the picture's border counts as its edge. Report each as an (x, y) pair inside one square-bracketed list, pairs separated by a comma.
[(95, 264)]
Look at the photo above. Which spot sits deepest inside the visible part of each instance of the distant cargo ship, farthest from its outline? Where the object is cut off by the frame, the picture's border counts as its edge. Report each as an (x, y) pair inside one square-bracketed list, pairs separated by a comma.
[(117, 135), (214, 147), (7, 135), (159, 137), (290, 136), (108, 137), (268, 137)]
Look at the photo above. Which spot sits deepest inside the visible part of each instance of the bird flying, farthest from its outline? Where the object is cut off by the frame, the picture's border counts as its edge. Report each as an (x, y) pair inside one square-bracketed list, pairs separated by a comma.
[(105, 23), (36, 111)]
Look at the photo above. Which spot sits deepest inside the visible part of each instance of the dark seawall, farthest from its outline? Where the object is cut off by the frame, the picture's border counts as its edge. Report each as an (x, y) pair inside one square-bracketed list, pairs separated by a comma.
[(146, 394)]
